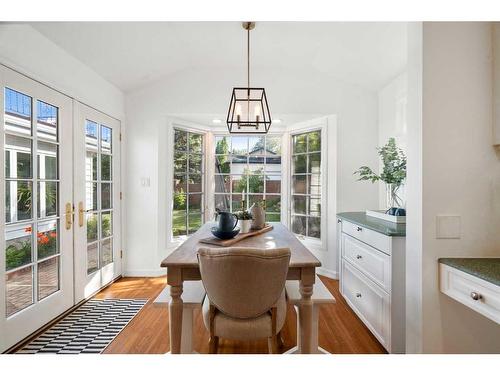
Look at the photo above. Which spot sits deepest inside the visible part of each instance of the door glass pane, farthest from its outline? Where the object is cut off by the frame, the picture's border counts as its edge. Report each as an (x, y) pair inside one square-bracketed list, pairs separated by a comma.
[(19, 289), (18, 199), (18, 249), (195, 220), (47, 242), (299, 143), (106, 137), (92, 258), (106, 224), (273, 203), (299, 204), (91, 227), (91, 135), (18, 157), (222, 145), (47, 161), (106, 252), (299, 184), (17, 112), (48, 277), (46, 124), (91, 196), (106, 161), (179, 222), (106, 199), (47, 199), (240, 145), (91, 166), (222, 184), (222, 202)]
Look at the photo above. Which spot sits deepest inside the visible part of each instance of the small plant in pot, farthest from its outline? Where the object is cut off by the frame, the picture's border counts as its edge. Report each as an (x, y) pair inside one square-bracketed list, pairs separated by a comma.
[(393, 174), (245, 221)]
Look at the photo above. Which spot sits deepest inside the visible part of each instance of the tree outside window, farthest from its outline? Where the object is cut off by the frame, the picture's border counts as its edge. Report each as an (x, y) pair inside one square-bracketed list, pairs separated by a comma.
[(187, 215)]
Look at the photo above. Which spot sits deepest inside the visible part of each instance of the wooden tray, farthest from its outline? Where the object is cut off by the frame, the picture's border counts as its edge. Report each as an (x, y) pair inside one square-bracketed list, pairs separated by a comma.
[(218, 242)]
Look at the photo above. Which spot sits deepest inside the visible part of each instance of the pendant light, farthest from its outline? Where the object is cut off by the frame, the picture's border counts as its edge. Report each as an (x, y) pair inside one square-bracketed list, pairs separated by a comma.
[(248, 110)]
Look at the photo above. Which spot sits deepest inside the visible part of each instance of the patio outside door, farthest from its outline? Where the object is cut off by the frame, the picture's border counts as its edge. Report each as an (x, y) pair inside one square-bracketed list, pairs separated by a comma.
[(36, 223), (97, 200)]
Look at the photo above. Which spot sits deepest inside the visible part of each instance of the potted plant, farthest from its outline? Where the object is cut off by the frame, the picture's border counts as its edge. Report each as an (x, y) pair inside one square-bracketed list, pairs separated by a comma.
[(393, 174), (245, 220)]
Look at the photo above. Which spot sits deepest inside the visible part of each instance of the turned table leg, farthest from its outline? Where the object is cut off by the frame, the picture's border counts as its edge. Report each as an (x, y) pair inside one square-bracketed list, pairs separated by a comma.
[(175, 309), (306, 311)]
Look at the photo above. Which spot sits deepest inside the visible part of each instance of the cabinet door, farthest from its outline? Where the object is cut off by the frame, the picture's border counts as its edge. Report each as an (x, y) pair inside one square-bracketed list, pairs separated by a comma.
[(369, 302)]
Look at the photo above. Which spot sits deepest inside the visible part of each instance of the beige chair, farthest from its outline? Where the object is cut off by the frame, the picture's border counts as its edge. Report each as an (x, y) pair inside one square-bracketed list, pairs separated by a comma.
[(245, 293)]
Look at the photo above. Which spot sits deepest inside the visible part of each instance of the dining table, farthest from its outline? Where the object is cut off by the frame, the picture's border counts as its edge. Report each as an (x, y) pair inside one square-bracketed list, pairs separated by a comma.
[(182, 265)]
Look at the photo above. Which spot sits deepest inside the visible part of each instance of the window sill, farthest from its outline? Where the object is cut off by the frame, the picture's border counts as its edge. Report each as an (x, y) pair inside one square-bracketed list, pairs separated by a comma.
[(311, 243)]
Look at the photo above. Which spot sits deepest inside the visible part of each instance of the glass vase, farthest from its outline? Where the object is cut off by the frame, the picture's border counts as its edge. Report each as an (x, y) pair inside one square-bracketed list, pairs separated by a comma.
[(393, 197)]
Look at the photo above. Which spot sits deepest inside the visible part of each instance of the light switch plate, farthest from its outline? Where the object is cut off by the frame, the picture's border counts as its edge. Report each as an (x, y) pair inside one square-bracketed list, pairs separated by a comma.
[(448, 226)]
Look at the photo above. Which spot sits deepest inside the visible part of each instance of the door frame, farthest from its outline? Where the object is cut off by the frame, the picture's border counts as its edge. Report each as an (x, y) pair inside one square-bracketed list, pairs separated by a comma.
[(23, 323), (86, 285)]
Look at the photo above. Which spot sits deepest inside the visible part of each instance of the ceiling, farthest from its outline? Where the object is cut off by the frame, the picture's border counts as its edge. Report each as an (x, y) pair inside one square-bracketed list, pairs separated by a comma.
[(133, 54)]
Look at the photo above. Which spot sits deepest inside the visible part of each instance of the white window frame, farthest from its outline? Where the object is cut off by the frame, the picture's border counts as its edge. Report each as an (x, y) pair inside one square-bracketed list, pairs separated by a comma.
[(173, 242), (284, 161), (305, 127)]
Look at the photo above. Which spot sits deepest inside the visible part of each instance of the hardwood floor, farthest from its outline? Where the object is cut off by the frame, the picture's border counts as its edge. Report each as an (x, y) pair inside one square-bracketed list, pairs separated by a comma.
[(341, 331)]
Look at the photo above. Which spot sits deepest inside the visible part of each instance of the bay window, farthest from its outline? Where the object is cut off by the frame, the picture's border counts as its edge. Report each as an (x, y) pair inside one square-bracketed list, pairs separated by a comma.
[(248, 168), (188, 181), (306, 184)]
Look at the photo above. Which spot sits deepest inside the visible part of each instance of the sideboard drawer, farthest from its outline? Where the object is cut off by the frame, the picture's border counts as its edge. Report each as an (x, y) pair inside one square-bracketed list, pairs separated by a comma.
[(373, 263), (369, 301), (372, 238), (478, 294)]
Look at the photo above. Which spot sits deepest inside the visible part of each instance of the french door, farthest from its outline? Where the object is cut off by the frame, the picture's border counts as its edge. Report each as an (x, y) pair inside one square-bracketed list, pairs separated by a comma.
[(60, 218), (36, 221), (97, 200)]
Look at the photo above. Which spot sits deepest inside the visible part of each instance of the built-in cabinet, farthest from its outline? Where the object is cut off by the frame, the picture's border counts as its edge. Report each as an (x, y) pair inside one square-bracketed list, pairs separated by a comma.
[(372, 280)]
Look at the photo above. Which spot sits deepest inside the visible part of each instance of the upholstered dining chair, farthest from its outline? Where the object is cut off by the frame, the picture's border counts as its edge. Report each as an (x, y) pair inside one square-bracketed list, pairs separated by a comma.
[(245, 293)]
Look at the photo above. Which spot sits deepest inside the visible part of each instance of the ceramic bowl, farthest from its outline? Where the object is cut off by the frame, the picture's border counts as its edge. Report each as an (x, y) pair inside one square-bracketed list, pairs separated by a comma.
[(225, 235)]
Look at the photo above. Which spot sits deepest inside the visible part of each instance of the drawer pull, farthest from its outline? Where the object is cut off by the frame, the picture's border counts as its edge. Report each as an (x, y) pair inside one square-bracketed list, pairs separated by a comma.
[(359, 229), (339, 221), (359, 257), (358, 295), (475, 296)]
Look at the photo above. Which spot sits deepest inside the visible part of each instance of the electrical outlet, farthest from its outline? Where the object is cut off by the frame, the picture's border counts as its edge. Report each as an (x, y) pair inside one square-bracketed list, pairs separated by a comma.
[(448, 226)]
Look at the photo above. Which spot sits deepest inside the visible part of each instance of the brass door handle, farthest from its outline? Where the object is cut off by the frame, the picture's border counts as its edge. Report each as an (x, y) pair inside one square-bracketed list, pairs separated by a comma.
[(69, 215), (81, 211)]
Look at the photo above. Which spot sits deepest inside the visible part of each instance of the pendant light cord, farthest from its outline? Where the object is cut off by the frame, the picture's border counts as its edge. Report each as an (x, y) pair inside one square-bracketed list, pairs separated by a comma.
[(248, 57)]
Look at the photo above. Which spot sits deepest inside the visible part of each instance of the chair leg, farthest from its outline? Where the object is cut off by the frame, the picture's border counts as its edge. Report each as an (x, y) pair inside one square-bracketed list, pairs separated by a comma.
[(281, 342), (272, 342), (213, 345)]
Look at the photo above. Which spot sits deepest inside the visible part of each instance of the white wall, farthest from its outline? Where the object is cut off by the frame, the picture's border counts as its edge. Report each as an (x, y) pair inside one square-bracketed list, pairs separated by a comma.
[(26, 50), (460, 176), (392, 107), (202, 91)]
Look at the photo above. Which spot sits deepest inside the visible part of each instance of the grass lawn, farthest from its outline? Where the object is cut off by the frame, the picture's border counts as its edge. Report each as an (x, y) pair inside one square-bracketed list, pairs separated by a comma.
[(179, 222)]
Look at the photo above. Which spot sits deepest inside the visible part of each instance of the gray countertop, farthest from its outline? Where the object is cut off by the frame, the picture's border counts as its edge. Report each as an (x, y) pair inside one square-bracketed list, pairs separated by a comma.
[(378, 225), (487, 269)]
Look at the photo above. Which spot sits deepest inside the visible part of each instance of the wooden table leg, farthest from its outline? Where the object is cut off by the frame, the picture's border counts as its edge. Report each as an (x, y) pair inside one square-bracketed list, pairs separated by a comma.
[(306, 286), (175, 308)]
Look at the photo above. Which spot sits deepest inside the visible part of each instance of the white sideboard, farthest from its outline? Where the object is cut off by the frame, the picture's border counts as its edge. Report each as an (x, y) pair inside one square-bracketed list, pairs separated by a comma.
[(372, 277)]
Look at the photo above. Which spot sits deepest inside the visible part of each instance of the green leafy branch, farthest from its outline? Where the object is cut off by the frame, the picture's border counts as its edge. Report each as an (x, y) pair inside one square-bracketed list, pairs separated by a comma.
[(394, 170)]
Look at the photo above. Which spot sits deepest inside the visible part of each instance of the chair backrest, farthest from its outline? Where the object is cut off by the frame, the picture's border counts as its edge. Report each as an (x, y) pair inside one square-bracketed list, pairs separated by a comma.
[(243, 282)]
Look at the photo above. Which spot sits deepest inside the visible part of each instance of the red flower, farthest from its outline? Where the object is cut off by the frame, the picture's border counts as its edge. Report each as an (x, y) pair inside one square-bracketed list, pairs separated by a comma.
[(44, 240), (28, 230), (53, 234)]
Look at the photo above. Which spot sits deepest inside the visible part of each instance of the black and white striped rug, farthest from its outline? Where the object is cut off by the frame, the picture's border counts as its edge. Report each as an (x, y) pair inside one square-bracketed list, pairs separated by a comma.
[(89, 329)]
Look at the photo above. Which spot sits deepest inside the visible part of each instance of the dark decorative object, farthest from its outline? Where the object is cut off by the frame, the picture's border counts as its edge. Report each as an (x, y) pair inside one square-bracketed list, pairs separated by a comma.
[(248, 110)]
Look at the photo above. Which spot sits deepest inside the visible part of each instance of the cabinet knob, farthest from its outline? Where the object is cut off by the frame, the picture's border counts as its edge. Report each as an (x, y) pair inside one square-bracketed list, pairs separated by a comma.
[(475, 296), (339, 221), (359, 256), (358, 295), (359, 229)]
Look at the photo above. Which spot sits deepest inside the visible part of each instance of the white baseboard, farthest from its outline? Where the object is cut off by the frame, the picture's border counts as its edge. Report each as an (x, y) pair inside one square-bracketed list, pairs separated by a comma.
[(145, 273), (328, 273)]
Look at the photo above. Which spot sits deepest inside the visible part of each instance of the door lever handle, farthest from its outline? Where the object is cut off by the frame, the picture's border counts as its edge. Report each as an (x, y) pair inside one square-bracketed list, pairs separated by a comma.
[(81, 211)]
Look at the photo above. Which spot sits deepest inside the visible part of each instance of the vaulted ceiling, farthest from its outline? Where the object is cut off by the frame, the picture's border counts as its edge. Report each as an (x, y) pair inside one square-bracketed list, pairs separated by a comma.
[(133, 54)]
